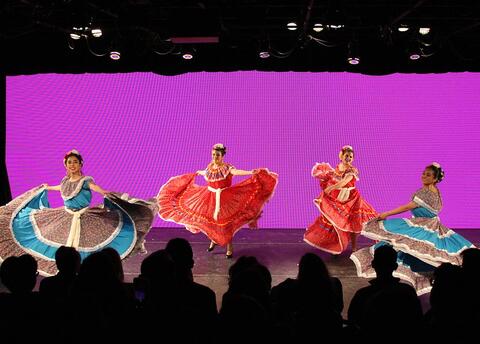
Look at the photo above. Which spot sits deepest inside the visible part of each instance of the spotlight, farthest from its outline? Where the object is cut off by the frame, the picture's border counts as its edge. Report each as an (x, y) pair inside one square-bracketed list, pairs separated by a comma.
[(188, 53), (115, 55), (292, 26), (414, 56), (97, 33), (414, 50), (424, 30), (336, 26), (353, 57), (263, 48), (403, 28), (77, 32), (318, 27), (353, 60), (264, 54)]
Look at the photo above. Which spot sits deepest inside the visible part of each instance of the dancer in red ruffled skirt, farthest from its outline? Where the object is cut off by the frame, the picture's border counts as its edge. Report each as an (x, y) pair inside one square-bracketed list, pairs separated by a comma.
[(218, 210), (342, 210)]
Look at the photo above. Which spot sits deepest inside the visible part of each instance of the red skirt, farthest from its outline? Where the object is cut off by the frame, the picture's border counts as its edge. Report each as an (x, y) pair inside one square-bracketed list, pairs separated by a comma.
[(331, 230), (181, 201)]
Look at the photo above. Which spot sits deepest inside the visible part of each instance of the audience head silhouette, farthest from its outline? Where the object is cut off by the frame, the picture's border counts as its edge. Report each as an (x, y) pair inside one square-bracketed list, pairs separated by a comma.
[(19, 274), (384, 261), (312, 269), (471, 261), (116, 262), (68, 260), (181, 253), (158, 267)]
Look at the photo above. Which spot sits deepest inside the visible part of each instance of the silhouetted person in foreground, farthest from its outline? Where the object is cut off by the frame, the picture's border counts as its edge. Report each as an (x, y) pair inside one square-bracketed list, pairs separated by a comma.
[(157, 311), (19, 274), (99, 303), (387, 308), (58, 287), (312, 302), (452, 303), (21, 310), (245, 312), (471, 270), (191, 295)]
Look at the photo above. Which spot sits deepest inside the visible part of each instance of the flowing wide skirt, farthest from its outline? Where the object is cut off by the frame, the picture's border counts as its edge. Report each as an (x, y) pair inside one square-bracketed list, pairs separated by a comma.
[(181, 201), (29, 225)]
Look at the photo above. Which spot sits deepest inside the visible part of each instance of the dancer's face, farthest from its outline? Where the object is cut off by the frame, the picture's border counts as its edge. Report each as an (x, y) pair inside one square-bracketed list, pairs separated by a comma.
[(217, 157), (73, 165), (428, 177), (347, 158)]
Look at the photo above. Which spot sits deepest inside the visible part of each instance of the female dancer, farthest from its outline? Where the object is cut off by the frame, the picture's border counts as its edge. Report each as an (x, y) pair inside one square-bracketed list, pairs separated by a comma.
[(422, 242), (28, 224), (342, 210), (219, 210)]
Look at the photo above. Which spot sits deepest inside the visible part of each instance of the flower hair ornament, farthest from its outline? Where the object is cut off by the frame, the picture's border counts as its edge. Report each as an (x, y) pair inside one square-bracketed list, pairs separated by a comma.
[(75, 152), (219, 146), (436, 164)]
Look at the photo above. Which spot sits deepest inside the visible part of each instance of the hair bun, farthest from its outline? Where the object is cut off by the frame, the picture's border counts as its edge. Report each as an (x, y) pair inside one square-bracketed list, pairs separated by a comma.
[(437, 170), (219, 146)]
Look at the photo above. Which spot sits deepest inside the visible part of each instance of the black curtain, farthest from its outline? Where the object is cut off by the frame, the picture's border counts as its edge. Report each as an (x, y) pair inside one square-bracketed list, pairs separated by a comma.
[(5, 194)]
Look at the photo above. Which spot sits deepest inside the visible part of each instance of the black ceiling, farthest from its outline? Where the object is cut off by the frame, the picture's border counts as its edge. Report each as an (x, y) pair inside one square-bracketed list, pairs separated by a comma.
[(36, 35)]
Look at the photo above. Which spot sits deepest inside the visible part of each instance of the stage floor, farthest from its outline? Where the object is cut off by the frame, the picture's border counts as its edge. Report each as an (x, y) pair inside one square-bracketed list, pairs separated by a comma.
[(279, 249)]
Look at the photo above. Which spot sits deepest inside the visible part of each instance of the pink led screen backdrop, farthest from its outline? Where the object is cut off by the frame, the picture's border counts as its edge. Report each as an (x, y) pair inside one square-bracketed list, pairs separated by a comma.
[(136, 130)]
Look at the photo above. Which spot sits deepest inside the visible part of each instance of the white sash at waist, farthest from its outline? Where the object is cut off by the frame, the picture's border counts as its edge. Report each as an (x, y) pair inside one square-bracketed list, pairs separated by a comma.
[(344, 194), (75, 228), (217, 201)]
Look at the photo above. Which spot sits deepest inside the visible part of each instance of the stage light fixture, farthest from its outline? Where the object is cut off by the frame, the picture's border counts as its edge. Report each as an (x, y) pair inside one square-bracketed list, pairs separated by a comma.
[(403, 28), (77, 32), (414, 50), (188, 52), (353, 57), (97, 33), (354, 60), (264, 54), (115, 55), (424, 31), (318, 27), (263, 48), (292, 26)]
